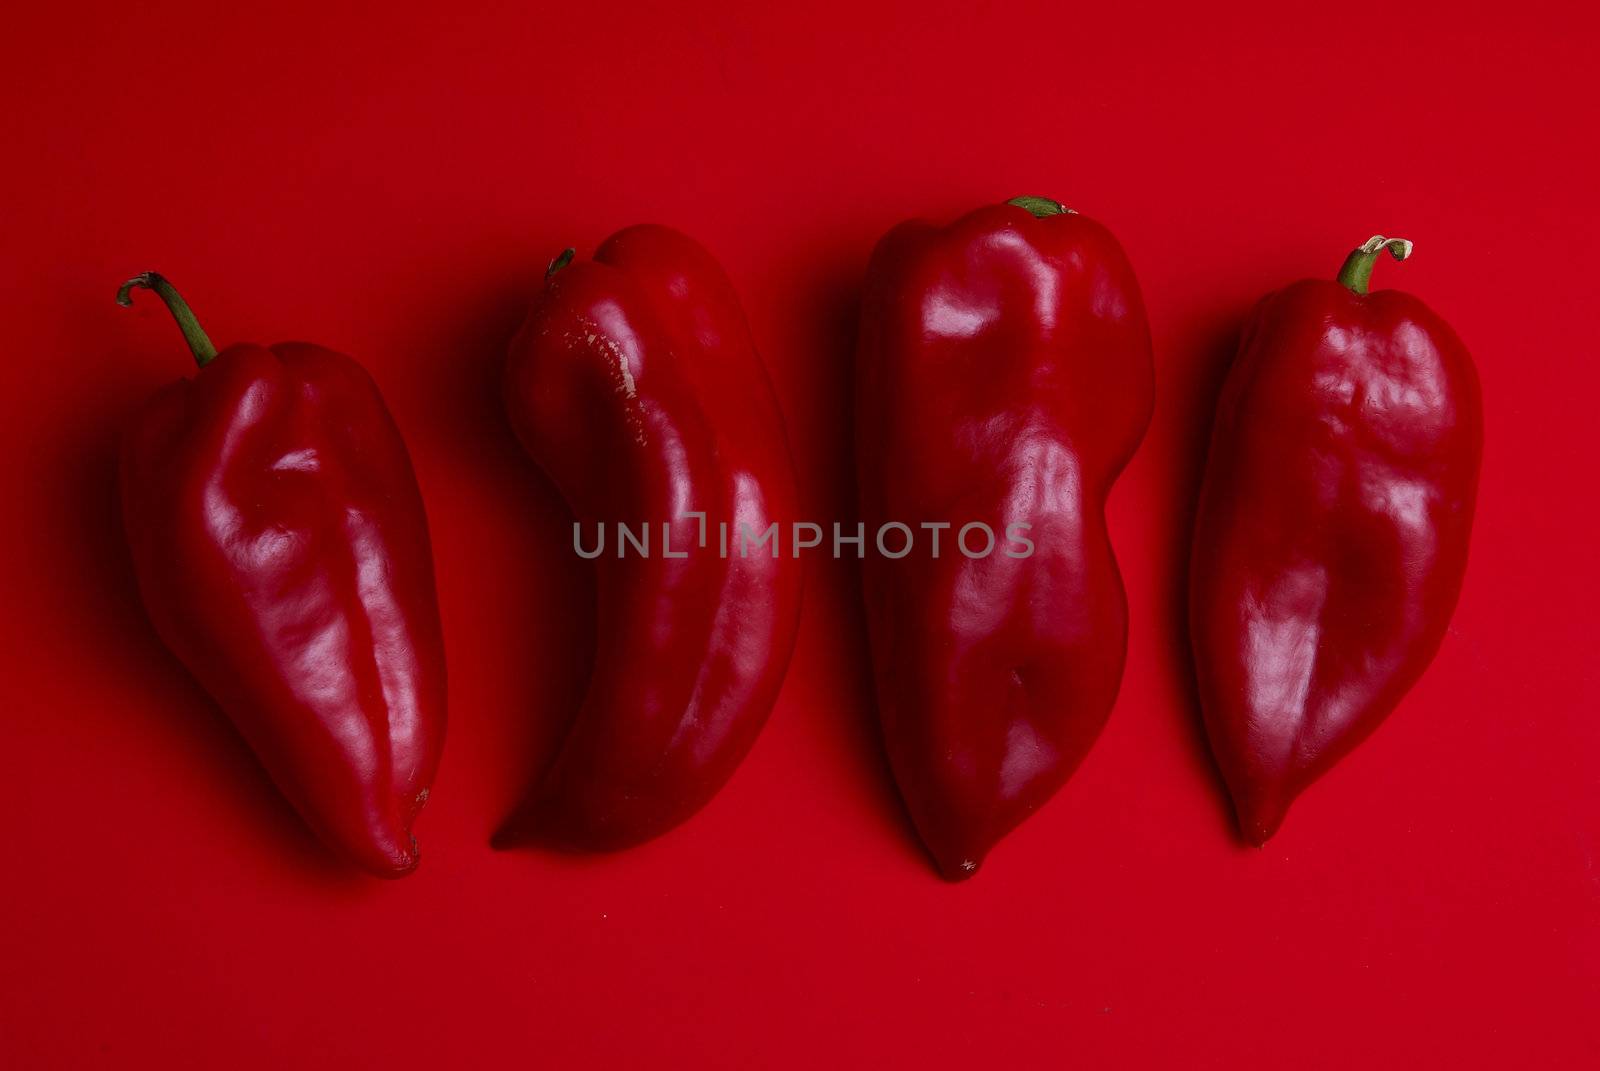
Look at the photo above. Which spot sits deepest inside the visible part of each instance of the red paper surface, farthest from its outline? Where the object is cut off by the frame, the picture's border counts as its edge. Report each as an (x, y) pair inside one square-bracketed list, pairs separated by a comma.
[(391, 182)]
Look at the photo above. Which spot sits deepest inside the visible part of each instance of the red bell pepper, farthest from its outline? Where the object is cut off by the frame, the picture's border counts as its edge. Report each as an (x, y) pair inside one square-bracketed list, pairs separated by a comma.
[(635, 386), (282, 553), (1004, 378), (1332, 531)]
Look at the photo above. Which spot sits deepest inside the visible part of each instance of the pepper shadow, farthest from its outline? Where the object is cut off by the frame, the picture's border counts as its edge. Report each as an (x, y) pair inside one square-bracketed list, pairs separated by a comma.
[(826, 459), (1200, 388), (518, 605)]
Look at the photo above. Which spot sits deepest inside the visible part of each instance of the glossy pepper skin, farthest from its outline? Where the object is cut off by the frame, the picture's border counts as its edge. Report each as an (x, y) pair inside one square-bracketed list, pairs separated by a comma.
[(1332, 531), (282, 553), (635, 386), (1004, 377)]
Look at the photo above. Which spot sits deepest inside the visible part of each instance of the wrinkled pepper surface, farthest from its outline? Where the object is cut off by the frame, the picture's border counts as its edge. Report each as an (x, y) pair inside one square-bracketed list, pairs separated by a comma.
[(282, 553), (635, 385), (1004, 377), (1332, 531)]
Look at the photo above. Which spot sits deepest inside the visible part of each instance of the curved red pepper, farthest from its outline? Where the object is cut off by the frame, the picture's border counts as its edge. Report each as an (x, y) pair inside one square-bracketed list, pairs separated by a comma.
[(282, 553), (1332, 531), (635, 385), (1005, 377)]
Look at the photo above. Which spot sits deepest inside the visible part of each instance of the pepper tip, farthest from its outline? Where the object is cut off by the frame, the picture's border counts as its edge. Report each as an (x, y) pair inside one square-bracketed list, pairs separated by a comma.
[(1259, 818)]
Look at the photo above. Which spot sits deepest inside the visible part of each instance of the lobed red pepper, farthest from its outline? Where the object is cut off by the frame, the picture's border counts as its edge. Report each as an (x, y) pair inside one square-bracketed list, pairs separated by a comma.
[(1332, 532), (635, 386), (282, 553), (1004, 378)]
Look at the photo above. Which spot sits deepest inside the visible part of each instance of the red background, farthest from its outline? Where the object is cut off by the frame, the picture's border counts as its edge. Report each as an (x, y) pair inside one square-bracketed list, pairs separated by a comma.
[(392, 181)]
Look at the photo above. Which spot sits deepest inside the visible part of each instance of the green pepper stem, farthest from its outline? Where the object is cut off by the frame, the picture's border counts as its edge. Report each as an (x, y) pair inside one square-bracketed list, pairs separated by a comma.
[(204, 352), (1357, 270), (1042, 206), (560, 262)]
